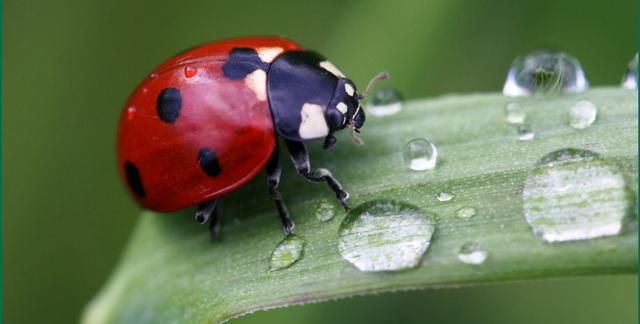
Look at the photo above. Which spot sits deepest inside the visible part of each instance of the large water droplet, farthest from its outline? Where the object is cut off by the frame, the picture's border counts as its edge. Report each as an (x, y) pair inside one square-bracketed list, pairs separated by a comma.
[(525, 132), (287, 252), (420, 154), (582, 114), (515, 113), (445, 196), (630, 79), (324, 210), (384, 102), (545, 72), (131, 112), (574, 194), (472, 253), (466, 212), (385, 235)]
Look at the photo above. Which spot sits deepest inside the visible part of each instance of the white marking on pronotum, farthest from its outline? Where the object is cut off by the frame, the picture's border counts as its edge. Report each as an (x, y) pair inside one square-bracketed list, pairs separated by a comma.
[(342, 107), (331, 68), (349, 89), (312, 123), (267, 54), (257, 82)]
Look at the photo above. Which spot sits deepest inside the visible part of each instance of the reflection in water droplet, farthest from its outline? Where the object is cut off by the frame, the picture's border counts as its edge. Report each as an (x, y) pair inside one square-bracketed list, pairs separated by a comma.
[(131, 113), (190, 71), (630, 79), (324, 210), (153, 76), (445, 196), (385, 235), (466, 212), (582, 114), (525, 132), (574, 194), (384, 102), (287, 252), (514, 113), (420, 154), (472, 253), (544, 72)]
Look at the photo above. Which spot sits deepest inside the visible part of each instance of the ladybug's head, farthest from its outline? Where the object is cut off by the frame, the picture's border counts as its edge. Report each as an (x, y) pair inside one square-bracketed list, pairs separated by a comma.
[(345, 109)]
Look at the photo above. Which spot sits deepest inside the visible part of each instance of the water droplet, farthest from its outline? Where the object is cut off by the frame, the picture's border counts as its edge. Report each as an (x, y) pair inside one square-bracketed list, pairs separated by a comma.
[(131, 112), (545, 72), (630, 79), (472, 253), (324, 210), (574, 194), (384, 102), (287, 252), (582, 114), (525, 132), (514, 113), (420, 154), (190, 71), (445, 196), (153, 76), (466, 212), (385, 235)]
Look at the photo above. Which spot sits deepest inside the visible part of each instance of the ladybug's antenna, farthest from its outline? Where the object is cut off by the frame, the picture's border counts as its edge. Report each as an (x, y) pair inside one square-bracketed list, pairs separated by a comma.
[(379, 77)]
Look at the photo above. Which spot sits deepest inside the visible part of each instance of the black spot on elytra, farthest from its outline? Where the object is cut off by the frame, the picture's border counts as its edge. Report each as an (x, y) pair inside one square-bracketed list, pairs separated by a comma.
[(208, 161), (241, 62), (133, 178), (169, 104)]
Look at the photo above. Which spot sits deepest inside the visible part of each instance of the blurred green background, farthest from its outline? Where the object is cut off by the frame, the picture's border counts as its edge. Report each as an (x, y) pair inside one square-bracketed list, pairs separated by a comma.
[(70, 64)]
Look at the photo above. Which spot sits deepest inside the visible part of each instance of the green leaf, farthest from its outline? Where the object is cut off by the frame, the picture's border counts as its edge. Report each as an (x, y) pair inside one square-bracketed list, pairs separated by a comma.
[(171, 272)]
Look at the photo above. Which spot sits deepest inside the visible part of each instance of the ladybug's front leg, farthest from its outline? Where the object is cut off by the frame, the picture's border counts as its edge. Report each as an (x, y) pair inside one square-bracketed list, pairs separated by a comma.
[(300, 158), (208, 211), (273, 180)]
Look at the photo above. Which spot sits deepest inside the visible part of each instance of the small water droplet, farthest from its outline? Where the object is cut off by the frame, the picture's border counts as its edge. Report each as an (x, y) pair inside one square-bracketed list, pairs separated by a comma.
[(514, 113), (574, 194), (385, 235), (287, 252), (190, 71), (324, 210), (544, 71), (131, 112), (466, 212), (525, 132), (420, 154), (153, 76), (630, 79), (444, 196), (582, 114), (145, 90), (384, 102), (472, 253)]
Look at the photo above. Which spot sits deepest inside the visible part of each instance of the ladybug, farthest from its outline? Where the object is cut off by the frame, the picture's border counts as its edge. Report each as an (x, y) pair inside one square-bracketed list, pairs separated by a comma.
[(207, 121)]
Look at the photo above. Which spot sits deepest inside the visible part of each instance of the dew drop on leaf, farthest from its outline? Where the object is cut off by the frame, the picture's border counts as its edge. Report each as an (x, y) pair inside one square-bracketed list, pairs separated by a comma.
[(574, 194), (385, 235), (546, 72), (420, 155)]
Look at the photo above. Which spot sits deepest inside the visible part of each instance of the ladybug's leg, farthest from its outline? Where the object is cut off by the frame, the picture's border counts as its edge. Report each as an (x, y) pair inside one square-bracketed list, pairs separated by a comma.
[(273, 179), (300, 158), (208, 211)]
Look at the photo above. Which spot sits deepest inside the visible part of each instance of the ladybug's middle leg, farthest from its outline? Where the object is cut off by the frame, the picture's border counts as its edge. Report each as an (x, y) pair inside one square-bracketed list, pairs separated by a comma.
[(300, 158), (273, 180), (208, 211)]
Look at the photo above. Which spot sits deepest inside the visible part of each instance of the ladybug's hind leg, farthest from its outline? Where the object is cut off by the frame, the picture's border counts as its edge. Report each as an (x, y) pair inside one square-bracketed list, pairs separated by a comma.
[(208, 211), (274, 171), (300, 158)]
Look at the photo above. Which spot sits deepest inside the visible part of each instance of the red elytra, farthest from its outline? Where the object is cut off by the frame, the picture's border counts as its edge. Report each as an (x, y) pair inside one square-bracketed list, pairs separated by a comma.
[(162, 159)]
